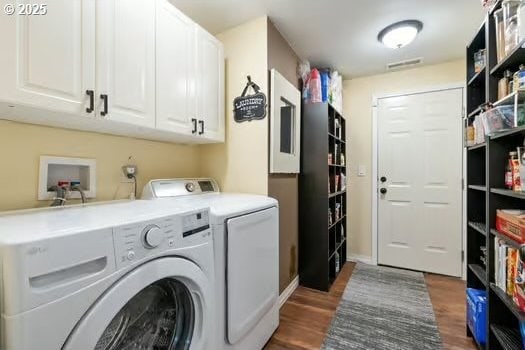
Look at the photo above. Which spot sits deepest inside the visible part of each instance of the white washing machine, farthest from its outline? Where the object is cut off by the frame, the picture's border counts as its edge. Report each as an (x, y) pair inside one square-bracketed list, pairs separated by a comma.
[(246, 239), (106, 277)]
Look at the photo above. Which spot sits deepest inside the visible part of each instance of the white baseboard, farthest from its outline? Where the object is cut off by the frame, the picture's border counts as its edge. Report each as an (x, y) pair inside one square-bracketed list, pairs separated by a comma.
[(360, 258), (288, 291)]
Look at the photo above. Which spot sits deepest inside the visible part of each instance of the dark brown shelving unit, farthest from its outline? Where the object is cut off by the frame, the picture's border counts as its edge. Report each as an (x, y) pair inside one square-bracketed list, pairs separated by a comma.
[(485, 183), (322, 241)]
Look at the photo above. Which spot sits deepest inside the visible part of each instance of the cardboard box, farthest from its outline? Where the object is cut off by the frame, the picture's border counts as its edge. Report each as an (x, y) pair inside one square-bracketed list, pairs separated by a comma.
[(512, 224)]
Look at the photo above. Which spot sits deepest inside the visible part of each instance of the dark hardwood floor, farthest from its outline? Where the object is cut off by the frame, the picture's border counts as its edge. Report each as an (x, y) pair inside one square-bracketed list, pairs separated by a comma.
[(306, 316)]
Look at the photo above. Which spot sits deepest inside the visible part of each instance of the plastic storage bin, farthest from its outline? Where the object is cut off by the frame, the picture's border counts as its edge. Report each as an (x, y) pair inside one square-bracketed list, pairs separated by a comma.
[(500, 34), (510, 18), (477, 314), (498, 119)]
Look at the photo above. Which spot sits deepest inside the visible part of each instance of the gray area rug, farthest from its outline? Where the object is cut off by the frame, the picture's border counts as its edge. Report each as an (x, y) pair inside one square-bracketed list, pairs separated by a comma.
[(384, 308)]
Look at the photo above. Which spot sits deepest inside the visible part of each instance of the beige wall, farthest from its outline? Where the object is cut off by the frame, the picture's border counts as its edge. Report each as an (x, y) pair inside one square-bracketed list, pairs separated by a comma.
[(241, 164), (285, 187), (22, 144), (357, 108)]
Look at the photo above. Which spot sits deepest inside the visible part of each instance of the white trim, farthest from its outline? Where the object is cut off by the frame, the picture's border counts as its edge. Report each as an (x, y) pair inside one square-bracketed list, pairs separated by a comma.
[(375, 98), (287, 293), (374, 181), (360, 258)]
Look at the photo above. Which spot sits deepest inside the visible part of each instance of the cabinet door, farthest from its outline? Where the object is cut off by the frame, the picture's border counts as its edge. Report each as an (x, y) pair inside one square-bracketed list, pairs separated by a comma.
[(210, 86), (175, 57), (47, 61), (126, 61)]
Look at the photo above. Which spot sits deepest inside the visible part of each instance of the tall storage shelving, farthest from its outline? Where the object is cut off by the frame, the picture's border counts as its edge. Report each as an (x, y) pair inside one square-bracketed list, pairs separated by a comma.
[(322, 241), (486, 187)]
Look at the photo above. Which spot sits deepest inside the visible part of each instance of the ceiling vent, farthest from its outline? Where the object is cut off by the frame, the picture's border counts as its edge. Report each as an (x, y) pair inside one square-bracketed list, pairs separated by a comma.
[(405, 64)]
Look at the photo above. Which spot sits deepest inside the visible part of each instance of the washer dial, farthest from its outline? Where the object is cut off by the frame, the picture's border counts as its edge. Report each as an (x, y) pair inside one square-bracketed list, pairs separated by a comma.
[(152, 237)]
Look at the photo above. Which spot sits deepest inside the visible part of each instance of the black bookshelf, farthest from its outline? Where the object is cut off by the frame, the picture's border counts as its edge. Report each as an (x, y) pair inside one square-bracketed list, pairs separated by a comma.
[(485, 187), (322, 241)]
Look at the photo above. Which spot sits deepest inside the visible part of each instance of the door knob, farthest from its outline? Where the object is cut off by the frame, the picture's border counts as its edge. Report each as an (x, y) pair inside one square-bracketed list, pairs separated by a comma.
[(383, 190), (382, 179)]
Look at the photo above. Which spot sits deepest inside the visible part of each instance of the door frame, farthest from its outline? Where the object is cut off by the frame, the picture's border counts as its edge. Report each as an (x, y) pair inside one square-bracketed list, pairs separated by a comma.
[(375, 100)]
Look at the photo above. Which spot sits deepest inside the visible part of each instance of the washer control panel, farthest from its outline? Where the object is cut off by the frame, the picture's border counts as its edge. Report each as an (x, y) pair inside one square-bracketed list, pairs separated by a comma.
[(135, 242)]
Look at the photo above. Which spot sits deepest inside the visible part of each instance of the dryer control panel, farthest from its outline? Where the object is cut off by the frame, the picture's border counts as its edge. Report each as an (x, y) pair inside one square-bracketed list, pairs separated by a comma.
[(195, 223), (138, 241)]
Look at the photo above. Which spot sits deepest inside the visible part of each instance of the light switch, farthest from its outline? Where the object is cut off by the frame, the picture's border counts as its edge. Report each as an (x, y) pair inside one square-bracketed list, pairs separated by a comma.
[(361, 170)]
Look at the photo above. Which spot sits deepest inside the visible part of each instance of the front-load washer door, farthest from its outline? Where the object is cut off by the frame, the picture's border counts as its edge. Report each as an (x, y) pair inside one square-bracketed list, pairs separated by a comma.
[(252, 270), (162, 305)]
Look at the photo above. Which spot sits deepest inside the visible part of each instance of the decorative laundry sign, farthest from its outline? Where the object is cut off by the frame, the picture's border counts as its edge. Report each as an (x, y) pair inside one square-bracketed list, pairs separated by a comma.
[(249, 107)]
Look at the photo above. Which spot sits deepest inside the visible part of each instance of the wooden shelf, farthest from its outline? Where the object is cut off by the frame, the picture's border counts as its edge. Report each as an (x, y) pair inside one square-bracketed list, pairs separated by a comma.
[(510, 132), (509, 339), (331, 195), (508, 193), (475, 112), (478, 226), (511, 62), (508, 302), (336, 138), (508, 241), (477, 188), (338, 221), (478, 78), (480, 273), (337, 249), (478, 146)]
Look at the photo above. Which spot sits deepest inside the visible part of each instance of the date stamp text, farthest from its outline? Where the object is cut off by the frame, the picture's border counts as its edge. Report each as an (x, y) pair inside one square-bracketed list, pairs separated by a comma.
[(25, 9)]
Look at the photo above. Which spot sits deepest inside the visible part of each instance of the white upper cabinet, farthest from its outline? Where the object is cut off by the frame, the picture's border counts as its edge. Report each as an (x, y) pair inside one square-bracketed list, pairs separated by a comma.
[(126, 61), (47, 61), (210, 86), (137, 68), (176, 107)]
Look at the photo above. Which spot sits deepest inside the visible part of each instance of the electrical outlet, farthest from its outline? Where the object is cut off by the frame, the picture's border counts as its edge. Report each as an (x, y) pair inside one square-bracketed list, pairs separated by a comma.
[(125, 180), (128, 172)]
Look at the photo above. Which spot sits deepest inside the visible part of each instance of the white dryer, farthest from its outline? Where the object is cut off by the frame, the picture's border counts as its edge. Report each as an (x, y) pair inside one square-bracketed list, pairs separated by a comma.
[(106, 277), (246, 238)]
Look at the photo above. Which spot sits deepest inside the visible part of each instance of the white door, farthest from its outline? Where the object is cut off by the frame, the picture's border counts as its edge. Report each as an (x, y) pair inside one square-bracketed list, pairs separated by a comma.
[(47, 60), (210, 86), (126, 61), (175, 68), (419, 173)]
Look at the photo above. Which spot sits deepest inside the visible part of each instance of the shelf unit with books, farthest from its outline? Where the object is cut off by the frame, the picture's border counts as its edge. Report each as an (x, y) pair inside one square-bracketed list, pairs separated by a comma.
[(487, 248), (323, 196)]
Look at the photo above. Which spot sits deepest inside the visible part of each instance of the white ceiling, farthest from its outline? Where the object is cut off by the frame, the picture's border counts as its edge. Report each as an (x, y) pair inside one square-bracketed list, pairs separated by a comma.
[(343, 33)]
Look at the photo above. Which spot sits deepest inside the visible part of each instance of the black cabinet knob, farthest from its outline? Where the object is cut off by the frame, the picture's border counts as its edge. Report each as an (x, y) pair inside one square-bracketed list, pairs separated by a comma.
[(91, 95), (383, 190), (382, 179), (104, 99)]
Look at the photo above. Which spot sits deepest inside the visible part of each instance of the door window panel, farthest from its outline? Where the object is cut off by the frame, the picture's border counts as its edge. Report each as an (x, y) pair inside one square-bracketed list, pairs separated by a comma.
[(159, 317)]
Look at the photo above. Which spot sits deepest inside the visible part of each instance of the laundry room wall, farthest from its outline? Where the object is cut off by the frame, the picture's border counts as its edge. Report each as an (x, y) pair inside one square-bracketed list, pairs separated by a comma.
[(285, 187), (357, 106), (21, 146), (241, 163)]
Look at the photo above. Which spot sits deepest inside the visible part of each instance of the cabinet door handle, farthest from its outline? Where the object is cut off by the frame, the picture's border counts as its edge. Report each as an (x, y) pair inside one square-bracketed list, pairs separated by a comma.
[(201, 122), (194, 121), (91, 95), (104, 98)]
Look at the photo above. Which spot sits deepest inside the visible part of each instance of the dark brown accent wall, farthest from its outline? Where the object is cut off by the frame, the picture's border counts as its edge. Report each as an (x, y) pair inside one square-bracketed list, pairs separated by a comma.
[(284, 187)]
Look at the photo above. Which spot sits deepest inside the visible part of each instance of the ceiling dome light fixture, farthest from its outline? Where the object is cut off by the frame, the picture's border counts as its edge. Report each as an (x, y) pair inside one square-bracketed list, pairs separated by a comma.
[(400, 34)]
